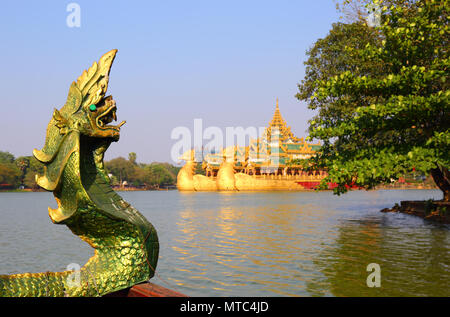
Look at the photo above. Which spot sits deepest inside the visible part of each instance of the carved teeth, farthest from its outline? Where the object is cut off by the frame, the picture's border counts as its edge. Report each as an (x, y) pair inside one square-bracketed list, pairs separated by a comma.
[(107, 117)]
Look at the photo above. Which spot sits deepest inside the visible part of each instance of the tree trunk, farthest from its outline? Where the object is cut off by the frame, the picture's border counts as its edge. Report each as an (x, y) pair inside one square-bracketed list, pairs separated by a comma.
[(441, 178)]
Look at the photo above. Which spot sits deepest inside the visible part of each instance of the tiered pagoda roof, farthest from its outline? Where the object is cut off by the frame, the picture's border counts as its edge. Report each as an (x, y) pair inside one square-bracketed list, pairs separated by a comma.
[(275, 148), (279, 123)]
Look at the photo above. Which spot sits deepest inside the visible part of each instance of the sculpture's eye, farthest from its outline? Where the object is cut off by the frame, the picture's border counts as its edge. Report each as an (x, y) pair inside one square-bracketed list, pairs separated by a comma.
[(92, 107)]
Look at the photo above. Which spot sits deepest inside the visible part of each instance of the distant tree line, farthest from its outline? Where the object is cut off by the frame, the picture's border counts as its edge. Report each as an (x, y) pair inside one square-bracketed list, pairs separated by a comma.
[(17, 172), (129, 172), (20, 172)]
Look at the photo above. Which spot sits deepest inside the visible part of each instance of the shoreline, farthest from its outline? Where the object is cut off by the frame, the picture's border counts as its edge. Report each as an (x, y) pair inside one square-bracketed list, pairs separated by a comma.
[(28, 190), (436, 211), (169, 189)]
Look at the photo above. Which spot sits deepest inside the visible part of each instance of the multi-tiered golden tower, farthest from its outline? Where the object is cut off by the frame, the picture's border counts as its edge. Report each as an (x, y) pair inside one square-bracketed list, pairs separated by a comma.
[(269, 162)]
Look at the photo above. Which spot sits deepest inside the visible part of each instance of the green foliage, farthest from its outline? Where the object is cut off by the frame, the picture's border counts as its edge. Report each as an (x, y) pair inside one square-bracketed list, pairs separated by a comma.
[(132, 157), (6, 157), (161, 175), (9, 175), (34, 167), (21, 171), (332, 56), (122, 169), (353, 10), (148, 175), (383, 110)]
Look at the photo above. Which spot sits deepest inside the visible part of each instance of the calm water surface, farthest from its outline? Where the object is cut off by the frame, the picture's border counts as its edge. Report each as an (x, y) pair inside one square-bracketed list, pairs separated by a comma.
[(255, 244)]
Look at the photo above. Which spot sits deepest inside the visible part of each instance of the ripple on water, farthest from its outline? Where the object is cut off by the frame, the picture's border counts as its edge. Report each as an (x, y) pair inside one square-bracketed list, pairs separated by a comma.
[(255, 244)]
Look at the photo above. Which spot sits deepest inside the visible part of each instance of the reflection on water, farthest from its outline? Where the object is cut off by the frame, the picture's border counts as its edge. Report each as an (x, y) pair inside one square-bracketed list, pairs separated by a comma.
[(414, 258), (255, 244)]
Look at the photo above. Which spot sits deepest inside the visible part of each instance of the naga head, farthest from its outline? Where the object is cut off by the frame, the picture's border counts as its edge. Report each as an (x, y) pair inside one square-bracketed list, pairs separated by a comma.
[(85, 117), (87, 109), (100, 115)]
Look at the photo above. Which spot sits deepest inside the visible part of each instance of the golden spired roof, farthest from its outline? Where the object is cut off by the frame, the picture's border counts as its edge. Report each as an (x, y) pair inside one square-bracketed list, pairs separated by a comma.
[(277, 119), (280, 123)]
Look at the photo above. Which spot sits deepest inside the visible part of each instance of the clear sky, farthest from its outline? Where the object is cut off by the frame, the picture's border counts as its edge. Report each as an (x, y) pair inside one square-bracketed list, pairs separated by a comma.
[(223, 61)]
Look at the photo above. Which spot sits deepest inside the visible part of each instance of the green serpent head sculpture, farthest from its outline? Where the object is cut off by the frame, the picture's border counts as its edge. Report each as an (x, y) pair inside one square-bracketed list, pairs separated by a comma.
[(126, 244)]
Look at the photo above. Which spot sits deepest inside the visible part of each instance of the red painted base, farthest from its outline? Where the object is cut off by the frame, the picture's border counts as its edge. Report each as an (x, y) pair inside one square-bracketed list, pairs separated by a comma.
[(146, 290)]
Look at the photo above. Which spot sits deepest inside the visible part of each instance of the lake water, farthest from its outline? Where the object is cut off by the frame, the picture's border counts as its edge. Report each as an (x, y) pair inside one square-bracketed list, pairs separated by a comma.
[(255, 244)]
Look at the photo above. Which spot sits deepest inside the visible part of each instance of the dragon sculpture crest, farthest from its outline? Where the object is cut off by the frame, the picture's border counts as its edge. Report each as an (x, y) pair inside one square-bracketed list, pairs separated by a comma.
[(126, 244)]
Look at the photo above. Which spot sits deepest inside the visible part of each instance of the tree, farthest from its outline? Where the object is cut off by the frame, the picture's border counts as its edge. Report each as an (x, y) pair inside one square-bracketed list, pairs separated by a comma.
[(9, 175), (141, 174), (22, 163), (161, 174), (34, 167), (334, 55), (121, 168), (400, 118), (6, 157), (353, 10), (144, 176), (132, 157)]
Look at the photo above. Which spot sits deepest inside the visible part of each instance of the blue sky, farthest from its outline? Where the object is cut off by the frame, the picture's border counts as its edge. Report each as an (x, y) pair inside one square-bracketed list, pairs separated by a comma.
[(223, 61)]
